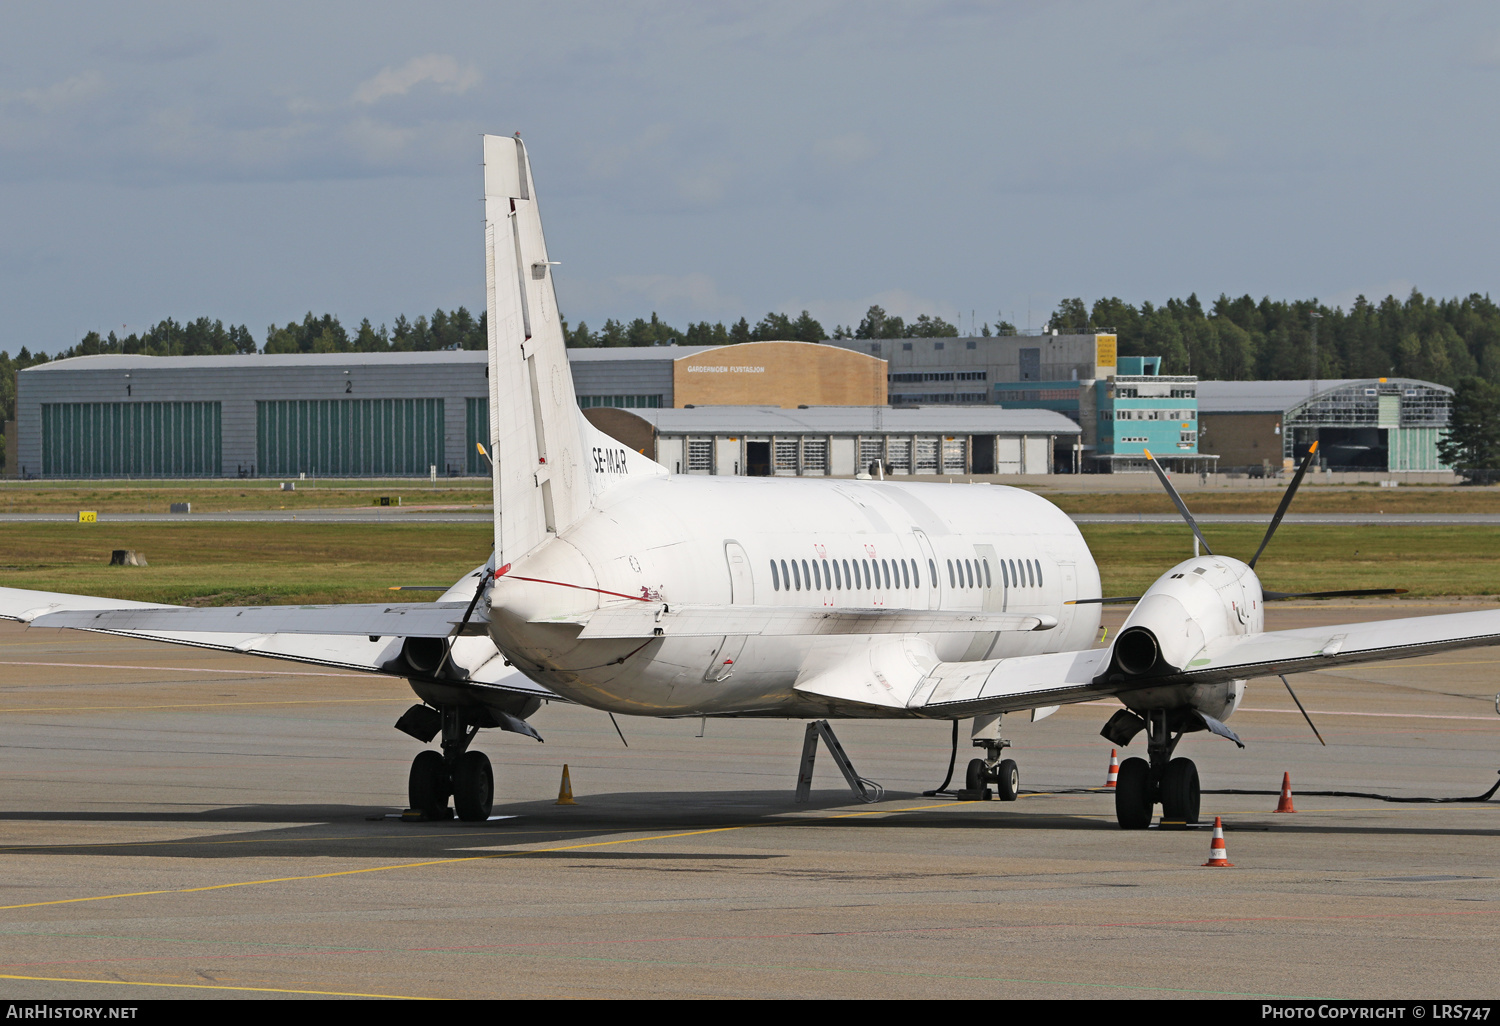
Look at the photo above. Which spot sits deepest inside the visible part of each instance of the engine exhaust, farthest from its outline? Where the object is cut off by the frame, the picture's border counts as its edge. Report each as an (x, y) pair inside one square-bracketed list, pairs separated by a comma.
[(1137, 651)]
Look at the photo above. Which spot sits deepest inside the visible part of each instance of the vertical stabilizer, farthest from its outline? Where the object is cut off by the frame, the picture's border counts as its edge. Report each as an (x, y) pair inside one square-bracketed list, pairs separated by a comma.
[(539, 475)]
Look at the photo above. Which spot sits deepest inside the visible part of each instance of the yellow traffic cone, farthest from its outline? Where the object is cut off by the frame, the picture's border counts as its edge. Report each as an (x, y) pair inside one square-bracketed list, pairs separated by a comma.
[(565, 791)]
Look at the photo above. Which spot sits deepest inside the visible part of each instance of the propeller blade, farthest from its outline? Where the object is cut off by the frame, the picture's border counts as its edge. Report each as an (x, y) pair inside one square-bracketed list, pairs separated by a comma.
[(485, 456), (1181, 506), (1279, 596), (1119, 600), (1286, 501), (1304, 711)]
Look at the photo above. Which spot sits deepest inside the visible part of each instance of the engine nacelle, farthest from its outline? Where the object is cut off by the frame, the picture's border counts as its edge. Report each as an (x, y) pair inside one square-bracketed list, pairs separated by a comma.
[(1204, 598)]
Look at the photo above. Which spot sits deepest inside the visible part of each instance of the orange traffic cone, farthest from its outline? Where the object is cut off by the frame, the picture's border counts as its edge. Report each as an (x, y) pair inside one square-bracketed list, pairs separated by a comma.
[(1285, 805), (1217, 856), (1112, 778), (565, 791)]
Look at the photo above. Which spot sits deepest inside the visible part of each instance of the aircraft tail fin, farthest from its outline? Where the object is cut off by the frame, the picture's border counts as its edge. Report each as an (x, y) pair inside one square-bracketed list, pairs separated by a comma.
[(541, 482)]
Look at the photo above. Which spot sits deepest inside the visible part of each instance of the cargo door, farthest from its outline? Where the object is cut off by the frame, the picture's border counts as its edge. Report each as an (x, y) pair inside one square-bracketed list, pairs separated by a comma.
[(741, 593)]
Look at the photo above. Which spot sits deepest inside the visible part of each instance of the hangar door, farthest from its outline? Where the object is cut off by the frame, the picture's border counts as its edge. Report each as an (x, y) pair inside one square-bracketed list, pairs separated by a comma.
[(131, 440), (349, 437)]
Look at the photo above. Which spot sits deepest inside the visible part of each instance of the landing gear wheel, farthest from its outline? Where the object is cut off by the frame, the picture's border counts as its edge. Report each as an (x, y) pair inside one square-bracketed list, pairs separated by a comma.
[(1179, 791), (473, 787), (977, 778), (1009, 776), (1133, 795), (427, 786)]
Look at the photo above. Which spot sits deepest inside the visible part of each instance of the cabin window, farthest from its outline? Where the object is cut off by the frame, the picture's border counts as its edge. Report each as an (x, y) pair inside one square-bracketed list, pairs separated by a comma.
[(807, 575), (1030, 575), (775, 577), (796, 576), (866, 564), (1004, 574), (987, 582), (817, 575), (849, 582), (1039, 573), (1015, 575), (838, 580), (905, 575), (786, 578), (951, 582), (969, 569), (827, 576), (932, 572), (885, 568)]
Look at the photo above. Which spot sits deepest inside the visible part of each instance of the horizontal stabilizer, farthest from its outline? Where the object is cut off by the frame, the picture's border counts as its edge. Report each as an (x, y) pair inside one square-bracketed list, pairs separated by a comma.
[(646, 620)]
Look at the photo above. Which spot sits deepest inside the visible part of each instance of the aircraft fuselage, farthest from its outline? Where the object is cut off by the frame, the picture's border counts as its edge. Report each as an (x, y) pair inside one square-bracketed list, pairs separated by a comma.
[(715, 541)]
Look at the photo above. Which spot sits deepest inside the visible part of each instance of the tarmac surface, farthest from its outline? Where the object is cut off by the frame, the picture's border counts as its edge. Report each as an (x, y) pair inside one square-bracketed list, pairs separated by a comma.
[(184, 823)]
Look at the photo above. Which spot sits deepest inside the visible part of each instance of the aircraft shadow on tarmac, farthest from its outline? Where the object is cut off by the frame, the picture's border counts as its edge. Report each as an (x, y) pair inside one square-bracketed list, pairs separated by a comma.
[(345, 831)]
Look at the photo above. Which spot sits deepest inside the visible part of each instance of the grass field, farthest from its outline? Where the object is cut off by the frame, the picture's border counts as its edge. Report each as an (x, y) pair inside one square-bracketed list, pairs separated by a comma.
[(242, 564), (220, 497), (236, 496), (245, 564), (1453, 499)]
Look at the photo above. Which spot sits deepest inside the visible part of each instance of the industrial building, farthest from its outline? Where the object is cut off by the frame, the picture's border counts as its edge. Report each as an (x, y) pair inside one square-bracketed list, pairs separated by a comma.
[(1360, 424), (330, 415), (1123, 404), (412, 414), (840, 441), (786, 374)]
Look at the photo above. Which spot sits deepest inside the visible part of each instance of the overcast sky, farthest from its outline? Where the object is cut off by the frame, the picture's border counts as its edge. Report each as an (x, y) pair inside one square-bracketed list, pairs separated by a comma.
[(707, 160)]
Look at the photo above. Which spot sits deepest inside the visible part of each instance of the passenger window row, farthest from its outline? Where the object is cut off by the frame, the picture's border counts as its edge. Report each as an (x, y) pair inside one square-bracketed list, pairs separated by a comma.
[(975, 573), (847, 575)]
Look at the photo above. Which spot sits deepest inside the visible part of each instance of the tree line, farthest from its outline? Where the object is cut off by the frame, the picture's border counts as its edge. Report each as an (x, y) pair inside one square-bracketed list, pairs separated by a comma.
[(1441, 340)]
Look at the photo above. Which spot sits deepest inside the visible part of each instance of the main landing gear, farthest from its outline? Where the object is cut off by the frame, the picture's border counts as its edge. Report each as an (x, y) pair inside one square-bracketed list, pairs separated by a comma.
[(992, 769), (1142, 783), (455, 771)]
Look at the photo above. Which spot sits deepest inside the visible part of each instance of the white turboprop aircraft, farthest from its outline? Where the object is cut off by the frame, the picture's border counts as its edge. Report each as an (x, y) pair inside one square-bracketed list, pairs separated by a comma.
[(619, 586)]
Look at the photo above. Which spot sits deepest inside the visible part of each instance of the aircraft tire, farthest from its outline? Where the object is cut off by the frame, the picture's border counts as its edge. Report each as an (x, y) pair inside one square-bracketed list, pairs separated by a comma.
[(1180, 794), (1133, 802), (427, 785), (1008, 775), (977, 777), (473, 787)]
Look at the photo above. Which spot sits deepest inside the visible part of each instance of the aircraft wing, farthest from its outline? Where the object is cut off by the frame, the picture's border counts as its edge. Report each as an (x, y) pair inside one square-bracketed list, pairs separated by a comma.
[(1317, 648), (344, 641), (646, 620), (902, 676), (396, 619)]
